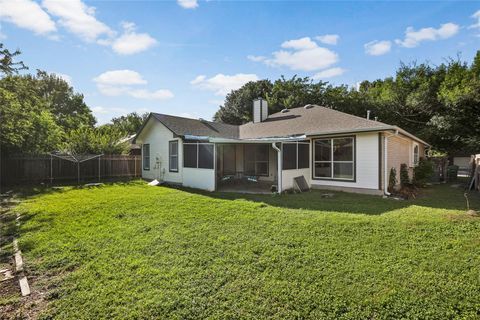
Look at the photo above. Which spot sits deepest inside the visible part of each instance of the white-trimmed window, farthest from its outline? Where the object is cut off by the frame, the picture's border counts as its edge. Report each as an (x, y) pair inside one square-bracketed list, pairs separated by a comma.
[(296, 155), (198, 155), (173, 156), (334, 158), (416, 153), (146, 156)]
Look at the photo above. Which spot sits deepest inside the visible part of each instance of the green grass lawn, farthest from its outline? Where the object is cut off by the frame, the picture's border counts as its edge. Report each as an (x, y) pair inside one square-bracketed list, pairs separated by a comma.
[(129, 251)]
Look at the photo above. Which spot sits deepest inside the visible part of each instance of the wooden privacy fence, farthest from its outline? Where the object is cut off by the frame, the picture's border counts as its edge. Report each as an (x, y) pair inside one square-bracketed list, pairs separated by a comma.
[(34, 169)]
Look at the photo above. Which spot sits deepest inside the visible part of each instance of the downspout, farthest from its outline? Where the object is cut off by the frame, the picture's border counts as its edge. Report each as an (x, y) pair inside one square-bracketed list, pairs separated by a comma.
[(279, 166), (385, 159)]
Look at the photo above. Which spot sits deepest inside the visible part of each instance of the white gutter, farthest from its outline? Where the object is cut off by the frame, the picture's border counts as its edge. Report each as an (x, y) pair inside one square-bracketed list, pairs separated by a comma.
[(385, 159), (279, 165), (258, 140)]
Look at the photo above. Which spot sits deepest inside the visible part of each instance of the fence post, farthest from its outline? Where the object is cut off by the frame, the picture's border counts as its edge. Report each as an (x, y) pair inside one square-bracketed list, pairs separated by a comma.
[(51, 169), (135, 162), (99, 168)]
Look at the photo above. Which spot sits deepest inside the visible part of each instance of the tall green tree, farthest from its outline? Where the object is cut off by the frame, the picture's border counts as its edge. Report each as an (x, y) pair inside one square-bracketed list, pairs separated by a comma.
[(8, 65), (130, 123), (238, 105)]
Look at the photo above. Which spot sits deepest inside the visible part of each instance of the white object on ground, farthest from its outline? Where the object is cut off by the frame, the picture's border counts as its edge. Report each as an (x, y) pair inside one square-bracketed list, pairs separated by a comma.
[(154, 183)]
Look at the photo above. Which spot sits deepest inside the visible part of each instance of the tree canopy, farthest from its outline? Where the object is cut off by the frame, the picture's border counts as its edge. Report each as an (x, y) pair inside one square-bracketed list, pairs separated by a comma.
[(440, 104)]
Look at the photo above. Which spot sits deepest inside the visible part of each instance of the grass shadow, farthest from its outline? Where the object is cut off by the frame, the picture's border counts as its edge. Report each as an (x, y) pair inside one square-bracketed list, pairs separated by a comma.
[(444, 196)]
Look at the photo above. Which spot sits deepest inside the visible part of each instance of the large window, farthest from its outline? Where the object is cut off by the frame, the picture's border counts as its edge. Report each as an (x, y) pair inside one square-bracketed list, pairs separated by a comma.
[(146, 157), (256, 159), (198, 155), (334, 158), (295, 155), (173, 156)]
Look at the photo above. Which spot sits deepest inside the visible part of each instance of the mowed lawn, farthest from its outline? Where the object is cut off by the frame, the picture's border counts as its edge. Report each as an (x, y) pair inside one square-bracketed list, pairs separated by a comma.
[(130, 251)]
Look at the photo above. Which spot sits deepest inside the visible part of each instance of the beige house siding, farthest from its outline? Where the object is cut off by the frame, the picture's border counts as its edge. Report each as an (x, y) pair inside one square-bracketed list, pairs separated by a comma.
[(400, 150)]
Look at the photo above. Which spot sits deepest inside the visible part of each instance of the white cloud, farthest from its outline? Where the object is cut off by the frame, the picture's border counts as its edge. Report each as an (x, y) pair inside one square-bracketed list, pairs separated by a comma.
[(120, 77), (188, 4), (27, 14), (377, 48), (305, 60), (301, 54), (124, 82), (329, 73), (222, 84), (256, 58), (131, 42), (65, 77), (476, 25), (161, 94), (300, 44), (414, 38), (328, 39), (78, 18)]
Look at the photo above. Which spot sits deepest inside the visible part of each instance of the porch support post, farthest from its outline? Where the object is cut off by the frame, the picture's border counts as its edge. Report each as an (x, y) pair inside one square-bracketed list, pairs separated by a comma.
[(279, 167)]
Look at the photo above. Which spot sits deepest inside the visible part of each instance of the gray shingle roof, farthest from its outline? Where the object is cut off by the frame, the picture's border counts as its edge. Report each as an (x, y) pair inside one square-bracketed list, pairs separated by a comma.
[(315, 120), (311, 121), (185, 126)]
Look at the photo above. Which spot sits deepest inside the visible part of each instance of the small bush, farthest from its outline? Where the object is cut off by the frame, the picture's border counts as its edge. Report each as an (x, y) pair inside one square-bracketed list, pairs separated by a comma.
[(392, 179), (404, 178), (423, 172)]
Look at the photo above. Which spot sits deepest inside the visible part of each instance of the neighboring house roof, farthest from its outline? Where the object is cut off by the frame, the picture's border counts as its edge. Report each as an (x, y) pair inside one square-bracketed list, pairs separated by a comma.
[(314, 120)]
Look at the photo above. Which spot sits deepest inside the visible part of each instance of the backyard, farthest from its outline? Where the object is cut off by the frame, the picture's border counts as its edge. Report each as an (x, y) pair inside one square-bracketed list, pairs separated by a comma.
[(130, 251)]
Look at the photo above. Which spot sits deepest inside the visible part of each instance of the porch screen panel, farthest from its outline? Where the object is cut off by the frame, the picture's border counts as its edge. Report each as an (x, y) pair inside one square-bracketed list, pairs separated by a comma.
[(249, 156), (229, 159), (303, 155), (205, 156), (289, 156), (256, 159), (189, 155)]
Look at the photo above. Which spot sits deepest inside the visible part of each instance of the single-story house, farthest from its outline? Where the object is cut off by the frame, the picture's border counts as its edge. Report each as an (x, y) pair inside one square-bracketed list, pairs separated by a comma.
[(329, 148)]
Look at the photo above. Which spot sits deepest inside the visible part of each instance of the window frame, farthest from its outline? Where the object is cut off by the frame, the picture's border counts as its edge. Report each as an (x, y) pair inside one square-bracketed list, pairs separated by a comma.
[(196, 144), (415, 161), (170, 155), (145, 168), (296, 143), (332, 161), (255, 161)]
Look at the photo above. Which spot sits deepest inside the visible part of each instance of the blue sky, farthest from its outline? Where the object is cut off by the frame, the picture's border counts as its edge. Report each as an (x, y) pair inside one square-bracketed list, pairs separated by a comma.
[(181, 57)]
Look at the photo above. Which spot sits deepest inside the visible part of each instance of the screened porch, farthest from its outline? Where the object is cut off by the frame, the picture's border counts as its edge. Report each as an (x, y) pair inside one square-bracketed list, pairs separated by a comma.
[(246, 167)]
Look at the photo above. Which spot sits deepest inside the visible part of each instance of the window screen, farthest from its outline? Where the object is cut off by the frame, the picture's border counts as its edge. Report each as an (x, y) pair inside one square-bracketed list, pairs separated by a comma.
[(173, 155), (205, 156), (189, 155), (146, 157)]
